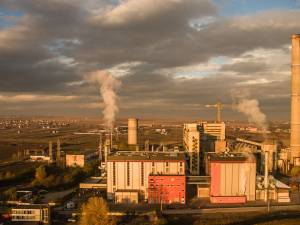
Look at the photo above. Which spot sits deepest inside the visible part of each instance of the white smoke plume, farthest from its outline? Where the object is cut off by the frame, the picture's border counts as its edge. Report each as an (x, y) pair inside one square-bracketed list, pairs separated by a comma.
[(108, 88), (250, 108)]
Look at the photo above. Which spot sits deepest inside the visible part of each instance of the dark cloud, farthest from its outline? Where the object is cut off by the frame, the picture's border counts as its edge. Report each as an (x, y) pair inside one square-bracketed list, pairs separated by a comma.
[(245, 67), (54, 43)]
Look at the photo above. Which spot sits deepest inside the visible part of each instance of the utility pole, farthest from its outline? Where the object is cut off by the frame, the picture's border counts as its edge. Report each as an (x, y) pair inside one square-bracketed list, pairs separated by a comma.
[(266, 180)]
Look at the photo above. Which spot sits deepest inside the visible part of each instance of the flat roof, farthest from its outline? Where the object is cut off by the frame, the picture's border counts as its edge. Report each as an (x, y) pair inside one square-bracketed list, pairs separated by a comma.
[(81, 152), (281, 185), (35, 206), (127, 190), (166, 175), (23, 223), (95, 180), (146, 156), (228, 156), (203, 181)]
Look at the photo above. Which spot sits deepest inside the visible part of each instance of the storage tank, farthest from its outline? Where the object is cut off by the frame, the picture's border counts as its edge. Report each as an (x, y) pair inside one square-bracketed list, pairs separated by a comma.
[(132, 131), (295, 100)]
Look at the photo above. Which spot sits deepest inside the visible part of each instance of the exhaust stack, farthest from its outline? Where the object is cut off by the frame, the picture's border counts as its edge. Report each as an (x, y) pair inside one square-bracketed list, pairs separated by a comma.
[(295, 101), (132, 131)]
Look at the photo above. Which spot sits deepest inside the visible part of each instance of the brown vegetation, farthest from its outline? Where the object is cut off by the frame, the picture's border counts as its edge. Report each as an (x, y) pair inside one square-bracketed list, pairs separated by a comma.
[(95, 212)]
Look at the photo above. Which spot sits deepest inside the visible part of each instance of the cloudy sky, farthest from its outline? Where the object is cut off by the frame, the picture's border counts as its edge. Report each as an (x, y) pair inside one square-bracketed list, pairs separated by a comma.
[(172, 56)]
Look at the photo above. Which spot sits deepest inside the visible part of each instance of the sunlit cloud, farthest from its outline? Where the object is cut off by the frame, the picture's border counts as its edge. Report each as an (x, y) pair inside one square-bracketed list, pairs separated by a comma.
[(35, 98)]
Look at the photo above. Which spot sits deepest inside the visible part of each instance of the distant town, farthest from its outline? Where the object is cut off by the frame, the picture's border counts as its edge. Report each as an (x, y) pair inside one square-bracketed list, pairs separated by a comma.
[(50, 167)]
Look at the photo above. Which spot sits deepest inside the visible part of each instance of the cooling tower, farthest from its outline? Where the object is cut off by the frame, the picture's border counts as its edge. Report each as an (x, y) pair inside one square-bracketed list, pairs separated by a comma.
[(295, 101), (132, 131)]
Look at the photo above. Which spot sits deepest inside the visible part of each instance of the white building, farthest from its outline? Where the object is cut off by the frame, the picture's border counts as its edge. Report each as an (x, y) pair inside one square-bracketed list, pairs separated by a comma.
[(213, 137), (40, 158), (191, 143), (31, 213), (127, 172), (80, 158), (213, 131)]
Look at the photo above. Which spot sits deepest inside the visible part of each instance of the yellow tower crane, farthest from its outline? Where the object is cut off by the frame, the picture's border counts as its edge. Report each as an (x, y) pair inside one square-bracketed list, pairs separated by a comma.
[(219, 106)]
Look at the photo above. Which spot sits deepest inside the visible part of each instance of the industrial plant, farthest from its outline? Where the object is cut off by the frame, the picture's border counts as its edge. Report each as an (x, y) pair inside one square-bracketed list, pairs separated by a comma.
[(210, 163), (222, 169)]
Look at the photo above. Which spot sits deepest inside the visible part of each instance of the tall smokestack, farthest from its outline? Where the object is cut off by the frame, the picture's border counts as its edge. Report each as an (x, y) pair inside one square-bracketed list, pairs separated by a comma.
[(295, 101), (132, 131)]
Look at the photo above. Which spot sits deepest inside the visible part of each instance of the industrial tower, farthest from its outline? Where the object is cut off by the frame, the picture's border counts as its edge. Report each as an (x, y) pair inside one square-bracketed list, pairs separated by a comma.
[(295, 101)]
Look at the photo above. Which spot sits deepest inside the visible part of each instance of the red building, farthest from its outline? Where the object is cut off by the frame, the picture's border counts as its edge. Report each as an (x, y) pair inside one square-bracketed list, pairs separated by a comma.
[(167, 189), (233, 178)]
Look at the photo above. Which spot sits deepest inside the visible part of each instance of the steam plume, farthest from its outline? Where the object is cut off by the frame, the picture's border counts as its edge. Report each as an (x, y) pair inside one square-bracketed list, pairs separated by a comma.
[(250, 107), (108, 87)]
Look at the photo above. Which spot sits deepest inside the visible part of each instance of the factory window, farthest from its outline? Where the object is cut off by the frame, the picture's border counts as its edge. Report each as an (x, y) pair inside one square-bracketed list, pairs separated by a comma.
[(153, 167), (114, 174), (128, 174), (181, 167), (167, 167), (142, 174)]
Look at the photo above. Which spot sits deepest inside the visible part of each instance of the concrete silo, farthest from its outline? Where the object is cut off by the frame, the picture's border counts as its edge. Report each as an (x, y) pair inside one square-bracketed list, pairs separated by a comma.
[(132, 131)]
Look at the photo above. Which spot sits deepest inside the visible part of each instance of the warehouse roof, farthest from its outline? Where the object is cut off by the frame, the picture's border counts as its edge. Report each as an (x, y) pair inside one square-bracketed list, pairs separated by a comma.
[(230, 156), (82, 152), (281, 185), (34, 206), (146, 156)]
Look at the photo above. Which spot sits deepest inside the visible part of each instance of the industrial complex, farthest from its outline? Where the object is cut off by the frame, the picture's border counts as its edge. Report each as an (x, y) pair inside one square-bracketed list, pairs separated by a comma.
[(206, 164)]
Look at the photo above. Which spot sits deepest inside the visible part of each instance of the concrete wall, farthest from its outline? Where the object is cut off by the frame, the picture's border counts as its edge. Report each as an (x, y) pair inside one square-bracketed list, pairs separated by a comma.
[(127, 197), (228, 199), (75, 160), (272, 150), (203, 192), (220, 146), (191, 142), (214, 130)]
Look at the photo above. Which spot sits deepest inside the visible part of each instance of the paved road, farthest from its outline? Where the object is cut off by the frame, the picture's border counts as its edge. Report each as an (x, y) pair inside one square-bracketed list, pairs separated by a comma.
[(206, 211), (231, 210)]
